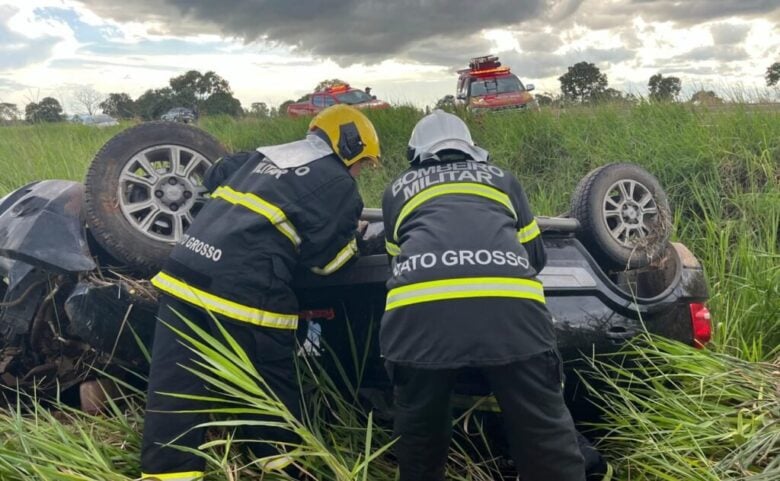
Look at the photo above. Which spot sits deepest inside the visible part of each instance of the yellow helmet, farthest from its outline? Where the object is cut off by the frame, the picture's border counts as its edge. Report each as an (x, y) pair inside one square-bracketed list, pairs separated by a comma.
[(349, 133)]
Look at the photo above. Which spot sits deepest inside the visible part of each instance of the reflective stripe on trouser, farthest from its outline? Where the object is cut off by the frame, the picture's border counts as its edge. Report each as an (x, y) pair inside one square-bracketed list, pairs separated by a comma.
[(463, 188), (274, 214), (233, 310), (463, 288), (529, 232), (341, 258), (173, 425), (186, 476)]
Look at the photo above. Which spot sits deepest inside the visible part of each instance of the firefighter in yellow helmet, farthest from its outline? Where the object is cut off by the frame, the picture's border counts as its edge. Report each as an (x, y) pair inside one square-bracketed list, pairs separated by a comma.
[(270, 211)]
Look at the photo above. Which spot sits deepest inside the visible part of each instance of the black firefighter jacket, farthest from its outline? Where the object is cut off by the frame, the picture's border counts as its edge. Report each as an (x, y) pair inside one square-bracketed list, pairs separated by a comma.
[(465, 253), (238, 257)]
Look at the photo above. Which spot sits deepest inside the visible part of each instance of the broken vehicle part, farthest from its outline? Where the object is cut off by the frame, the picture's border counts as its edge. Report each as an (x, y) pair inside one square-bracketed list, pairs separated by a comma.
[(42, 225)]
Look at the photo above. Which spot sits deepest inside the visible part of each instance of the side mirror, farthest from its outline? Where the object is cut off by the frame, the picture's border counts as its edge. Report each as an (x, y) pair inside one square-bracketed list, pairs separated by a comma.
[(529, 87)]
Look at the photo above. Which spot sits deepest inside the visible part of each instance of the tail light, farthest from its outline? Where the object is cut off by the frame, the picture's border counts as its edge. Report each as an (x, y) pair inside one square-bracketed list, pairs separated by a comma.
[(701, 322)]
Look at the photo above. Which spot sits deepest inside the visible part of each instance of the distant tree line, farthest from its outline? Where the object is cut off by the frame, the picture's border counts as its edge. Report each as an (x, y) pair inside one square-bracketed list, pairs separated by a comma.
[(584, 83), (204, 93)]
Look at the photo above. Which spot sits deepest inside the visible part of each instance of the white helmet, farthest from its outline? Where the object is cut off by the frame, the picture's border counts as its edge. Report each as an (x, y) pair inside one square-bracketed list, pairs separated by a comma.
[(438, 132)]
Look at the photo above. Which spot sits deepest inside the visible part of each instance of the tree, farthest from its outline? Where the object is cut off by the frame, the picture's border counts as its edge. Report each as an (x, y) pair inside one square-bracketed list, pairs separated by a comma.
[(8, 112), (327, 84), (260, 109), (664, 89), (87, 99), (47, 110), (773, 74), (118, 105), (222, 103), (446, 103), (283, 106), (208, 93), (582, 81), (706, 97), (155, 102), (199, 86)]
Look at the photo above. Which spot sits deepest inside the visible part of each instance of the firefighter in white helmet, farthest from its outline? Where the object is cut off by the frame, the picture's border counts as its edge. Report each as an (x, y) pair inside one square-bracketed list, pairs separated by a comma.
[(466, 251)]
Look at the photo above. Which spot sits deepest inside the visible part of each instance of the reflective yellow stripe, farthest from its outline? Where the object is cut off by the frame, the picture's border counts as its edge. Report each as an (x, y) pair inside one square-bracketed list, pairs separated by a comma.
[(220, 305), (392, 249), (529, 232), (259, 206), (341, 258), (462, 288), (466, 188), (185, 476)]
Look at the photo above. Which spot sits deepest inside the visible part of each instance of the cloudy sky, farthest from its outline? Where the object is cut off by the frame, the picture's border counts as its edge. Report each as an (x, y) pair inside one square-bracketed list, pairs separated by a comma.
[(406, 50)]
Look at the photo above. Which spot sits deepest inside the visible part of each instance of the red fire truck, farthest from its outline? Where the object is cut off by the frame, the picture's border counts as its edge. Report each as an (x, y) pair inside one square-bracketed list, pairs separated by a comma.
[(337, 94), (487, 85)]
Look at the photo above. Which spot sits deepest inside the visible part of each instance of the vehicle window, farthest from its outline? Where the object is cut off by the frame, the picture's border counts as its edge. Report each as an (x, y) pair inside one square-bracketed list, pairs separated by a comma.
[(353, 97), (500, 85), (462, 90), (329, 100), (318, 100)]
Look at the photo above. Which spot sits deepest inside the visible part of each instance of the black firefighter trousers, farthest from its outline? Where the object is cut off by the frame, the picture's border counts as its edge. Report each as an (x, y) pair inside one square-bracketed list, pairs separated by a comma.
[(271, 351), (541, 433)]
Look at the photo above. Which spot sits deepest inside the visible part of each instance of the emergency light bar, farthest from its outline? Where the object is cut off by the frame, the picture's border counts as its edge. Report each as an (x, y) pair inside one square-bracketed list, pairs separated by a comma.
[(337, 88), (486, 62), (490, 71)]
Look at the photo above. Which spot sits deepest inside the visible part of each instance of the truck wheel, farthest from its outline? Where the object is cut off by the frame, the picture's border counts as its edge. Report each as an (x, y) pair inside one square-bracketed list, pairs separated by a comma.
[(144, 187), (624, 214)]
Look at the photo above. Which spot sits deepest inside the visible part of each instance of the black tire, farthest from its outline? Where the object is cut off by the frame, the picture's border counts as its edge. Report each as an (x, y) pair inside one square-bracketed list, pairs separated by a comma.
[(624, 214), (111, 193)]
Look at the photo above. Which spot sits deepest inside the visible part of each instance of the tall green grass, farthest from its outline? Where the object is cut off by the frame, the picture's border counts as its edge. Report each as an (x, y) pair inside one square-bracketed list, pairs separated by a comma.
[(677, 413), (339, 437), (681, 414)]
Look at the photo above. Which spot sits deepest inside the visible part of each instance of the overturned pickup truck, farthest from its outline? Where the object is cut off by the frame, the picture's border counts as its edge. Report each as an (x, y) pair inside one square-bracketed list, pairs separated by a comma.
[(76, 257)]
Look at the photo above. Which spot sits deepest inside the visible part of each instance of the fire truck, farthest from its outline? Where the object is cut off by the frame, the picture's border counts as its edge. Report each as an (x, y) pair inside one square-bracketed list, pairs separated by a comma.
[(487, 85), (337, 94)]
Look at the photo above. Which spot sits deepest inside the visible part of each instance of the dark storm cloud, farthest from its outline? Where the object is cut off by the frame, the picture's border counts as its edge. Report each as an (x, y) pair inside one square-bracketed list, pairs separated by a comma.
[(347, 30), (16, 50)]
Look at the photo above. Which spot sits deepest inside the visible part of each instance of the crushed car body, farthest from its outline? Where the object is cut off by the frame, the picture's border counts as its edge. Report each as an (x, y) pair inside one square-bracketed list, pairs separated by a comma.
[(61, 316)]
